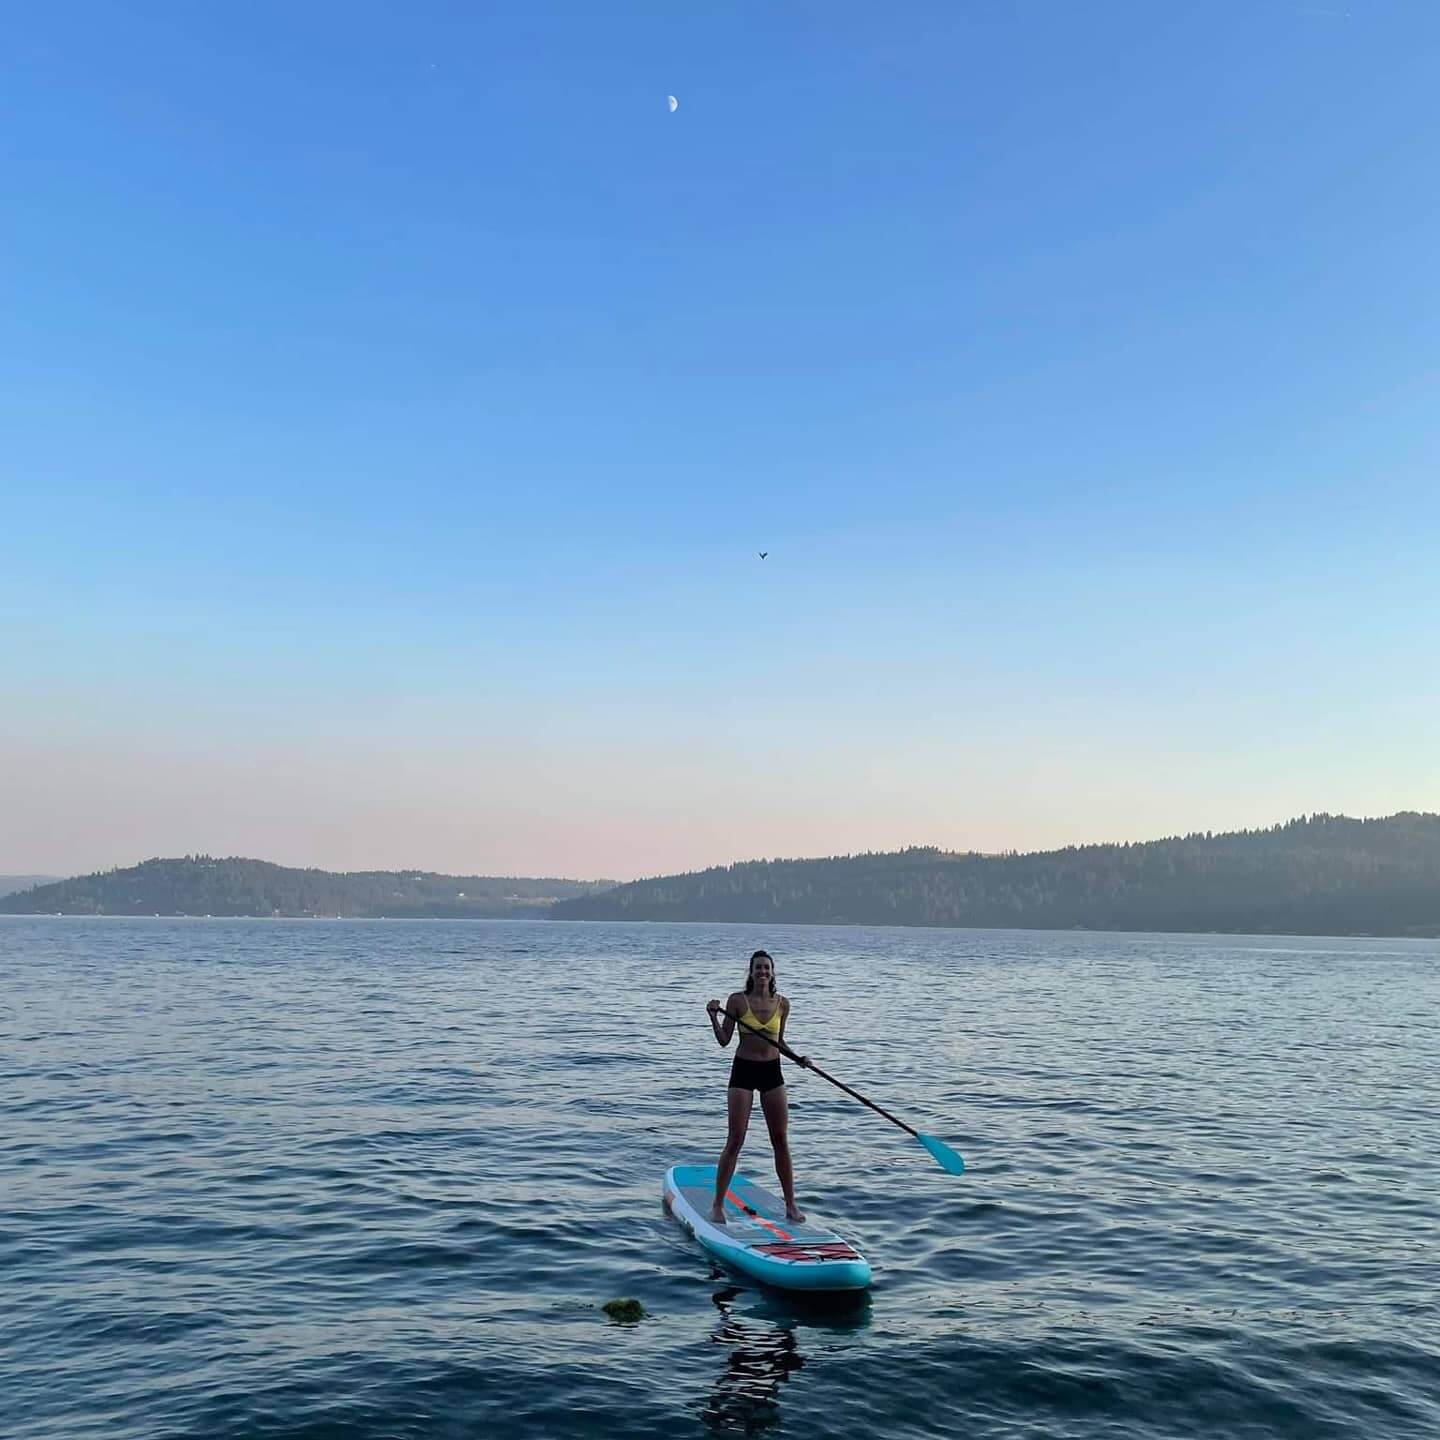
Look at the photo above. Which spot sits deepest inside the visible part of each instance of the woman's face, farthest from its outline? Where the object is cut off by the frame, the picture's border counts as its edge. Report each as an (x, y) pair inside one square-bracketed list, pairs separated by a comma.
[(764, 972)]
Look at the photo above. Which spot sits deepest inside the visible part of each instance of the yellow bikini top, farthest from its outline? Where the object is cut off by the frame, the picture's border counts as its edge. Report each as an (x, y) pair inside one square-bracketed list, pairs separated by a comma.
[(771, 1026)]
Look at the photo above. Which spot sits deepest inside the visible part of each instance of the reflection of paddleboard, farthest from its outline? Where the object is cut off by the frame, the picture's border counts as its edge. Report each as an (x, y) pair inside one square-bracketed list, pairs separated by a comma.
[(758, 1239)]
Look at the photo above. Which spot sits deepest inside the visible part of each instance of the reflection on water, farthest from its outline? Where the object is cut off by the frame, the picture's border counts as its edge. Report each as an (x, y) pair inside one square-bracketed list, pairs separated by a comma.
[(764, 1351), (762, 1357)]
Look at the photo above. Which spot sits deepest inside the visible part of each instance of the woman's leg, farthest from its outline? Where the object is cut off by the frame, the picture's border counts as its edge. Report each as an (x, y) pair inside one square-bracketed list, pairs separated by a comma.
[(738, 1103), (777, 1117)]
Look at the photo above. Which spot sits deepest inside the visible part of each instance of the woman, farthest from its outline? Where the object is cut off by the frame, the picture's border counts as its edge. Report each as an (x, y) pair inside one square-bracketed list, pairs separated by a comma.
[(762, 1012)]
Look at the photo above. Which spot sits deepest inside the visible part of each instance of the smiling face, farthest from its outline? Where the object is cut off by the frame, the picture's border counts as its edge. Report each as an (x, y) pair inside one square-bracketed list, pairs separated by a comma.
[(762, 974)]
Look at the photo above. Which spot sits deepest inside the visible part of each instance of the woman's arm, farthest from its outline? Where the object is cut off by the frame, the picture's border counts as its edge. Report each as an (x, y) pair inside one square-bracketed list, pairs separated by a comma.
[(785, 1020), (725, 1028)]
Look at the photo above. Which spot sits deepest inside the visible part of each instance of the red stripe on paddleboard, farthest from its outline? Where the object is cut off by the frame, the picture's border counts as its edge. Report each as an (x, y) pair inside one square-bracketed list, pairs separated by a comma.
[(750, 1210)]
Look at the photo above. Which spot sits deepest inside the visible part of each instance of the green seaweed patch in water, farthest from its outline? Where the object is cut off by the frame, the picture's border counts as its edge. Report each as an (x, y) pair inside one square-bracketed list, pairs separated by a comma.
[(627, 1312)]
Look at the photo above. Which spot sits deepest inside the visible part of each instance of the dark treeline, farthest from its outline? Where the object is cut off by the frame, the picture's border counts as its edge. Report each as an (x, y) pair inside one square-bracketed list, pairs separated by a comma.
[(1326, 875), (202, 885)]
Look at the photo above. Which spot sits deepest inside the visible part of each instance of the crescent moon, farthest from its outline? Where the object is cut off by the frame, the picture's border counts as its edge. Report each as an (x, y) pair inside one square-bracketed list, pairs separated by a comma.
[(673, 103)]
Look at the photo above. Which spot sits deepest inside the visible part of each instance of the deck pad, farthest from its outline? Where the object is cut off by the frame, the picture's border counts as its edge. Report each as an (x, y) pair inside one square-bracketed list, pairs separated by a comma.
[(757, 1238)]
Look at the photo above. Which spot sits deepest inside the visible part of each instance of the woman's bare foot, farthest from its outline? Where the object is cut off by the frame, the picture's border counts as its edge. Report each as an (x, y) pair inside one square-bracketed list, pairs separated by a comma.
[(793, 1212), (717, 1214)]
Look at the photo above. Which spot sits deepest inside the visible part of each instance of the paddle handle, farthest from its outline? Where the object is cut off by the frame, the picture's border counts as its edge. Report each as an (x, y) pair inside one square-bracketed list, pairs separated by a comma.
[(785, 1050)]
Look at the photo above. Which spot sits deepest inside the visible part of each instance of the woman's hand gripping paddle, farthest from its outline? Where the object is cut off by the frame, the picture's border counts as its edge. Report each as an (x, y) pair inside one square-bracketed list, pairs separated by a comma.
[(940, 1152)]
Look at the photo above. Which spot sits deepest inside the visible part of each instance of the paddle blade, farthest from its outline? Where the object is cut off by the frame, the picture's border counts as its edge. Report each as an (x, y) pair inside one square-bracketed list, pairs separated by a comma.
[(944, 1156)]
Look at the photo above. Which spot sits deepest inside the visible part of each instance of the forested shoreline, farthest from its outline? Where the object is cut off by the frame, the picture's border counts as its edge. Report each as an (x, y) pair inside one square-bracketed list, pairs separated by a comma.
[(204, 885), (1321, 875)]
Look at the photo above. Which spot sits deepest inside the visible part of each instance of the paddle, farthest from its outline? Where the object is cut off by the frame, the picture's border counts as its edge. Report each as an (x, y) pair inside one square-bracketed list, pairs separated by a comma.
[(940, 1152)]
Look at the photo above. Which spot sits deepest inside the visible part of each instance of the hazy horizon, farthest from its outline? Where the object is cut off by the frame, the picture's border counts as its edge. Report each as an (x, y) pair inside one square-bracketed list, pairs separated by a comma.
[(395, 409), (709, 864)]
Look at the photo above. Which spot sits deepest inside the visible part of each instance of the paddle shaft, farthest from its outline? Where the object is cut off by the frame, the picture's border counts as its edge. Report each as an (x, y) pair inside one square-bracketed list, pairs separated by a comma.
[(785, 1050)]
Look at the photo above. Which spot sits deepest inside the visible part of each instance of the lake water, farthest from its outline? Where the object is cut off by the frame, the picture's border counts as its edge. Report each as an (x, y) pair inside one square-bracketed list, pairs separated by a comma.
[(348, 1179)]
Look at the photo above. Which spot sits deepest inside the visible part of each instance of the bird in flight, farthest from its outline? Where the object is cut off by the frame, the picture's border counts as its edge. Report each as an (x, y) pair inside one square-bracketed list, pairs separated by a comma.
[(764, 553)]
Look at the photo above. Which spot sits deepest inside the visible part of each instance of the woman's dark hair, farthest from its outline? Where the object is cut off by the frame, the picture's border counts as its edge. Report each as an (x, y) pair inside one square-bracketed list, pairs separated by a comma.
[(750, 980)]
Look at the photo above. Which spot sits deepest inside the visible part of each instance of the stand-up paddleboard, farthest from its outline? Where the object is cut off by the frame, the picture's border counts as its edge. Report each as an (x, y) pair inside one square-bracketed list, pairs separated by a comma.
[(757, 1238)]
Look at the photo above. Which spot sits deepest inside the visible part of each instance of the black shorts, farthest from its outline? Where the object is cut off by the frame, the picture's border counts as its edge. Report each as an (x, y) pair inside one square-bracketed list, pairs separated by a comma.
[(761, 1075)]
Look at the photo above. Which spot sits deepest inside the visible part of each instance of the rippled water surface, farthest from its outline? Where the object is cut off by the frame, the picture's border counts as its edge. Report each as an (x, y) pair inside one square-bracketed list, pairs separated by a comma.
[(377, 1179)]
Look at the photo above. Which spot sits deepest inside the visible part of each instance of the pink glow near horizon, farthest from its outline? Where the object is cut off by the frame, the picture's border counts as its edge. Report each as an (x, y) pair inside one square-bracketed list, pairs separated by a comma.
[(615, 813)]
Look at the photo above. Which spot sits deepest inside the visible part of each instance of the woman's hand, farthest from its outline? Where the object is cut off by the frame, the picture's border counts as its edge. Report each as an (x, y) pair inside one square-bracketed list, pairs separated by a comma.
[(721, 1027), (805, 1061)]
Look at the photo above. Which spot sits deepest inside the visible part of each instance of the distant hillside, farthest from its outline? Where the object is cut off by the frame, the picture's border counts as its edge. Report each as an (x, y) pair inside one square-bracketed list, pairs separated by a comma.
[(1327, 875), (202, 885), (9, 884)]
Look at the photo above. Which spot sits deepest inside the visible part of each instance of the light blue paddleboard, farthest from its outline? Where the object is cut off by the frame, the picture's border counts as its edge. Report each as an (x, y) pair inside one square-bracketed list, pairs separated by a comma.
[(757, 1239)]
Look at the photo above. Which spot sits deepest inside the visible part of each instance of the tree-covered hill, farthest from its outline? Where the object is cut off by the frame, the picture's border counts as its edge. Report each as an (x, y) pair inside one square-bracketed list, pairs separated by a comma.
[(1326, 875), (202, 885)]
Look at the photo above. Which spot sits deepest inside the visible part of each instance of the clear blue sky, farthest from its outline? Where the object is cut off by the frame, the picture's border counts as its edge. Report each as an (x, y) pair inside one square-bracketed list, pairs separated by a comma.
[(394, 400)]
